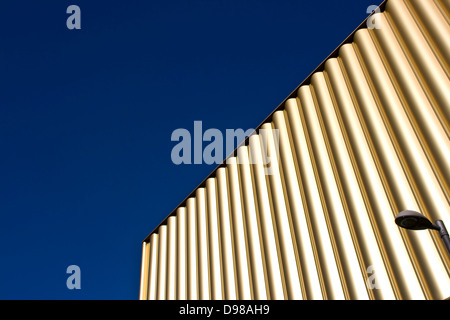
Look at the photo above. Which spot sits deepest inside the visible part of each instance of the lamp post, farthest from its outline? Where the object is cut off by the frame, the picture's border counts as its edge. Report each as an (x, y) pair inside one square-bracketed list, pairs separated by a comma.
[(413, 220)]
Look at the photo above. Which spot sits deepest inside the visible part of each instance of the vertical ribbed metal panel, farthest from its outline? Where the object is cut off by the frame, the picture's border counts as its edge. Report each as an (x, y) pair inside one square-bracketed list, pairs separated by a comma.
[(215, 261), (162, 264), (171, 258), (365, 137), (202, 245), (153, 268), (272, 257), (181, 254), (143, 291), (253, 230), (244, 285), (282, 221), (226, 237), (192, 269)]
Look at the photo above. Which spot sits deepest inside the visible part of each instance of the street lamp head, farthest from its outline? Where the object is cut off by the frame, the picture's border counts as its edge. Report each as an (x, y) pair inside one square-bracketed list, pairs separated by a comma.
[(413, 220)]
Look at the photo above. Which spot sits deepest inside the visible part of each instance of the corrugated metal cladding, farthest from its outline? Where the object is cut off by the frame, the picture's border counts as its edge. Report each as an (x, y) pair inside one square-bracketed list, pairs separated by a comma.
[(365, 138)]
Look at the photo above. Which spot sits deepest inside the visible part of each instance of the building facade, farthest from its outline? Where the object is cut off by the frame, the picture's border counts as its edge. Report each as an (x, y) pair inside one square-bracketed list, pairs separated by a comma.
[(364, 137)]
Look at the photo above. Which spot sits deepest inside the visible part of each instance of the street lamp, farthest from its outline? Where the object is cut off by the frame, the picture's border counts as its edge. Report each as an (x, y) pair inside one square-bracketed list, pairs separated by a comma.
[(413, 220)]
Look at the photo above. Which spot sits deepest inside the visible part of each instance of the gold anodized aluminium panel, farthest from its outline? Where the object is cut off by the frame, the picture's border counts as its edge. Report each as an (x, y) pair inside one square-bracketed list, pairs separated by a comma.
[(144, 271), (162, 264), (214, 262), (364, 137), (240, 243), (259, 277), (153, 267), (171, 258), (181, 265), (202, 245), (268, 231), (191, 264), (226, 237)]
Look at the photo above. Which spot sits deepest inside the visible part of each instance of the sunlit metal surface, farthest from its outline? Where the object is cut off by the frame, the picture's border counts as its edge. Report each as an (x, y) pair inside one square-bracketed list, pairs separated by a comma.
[(365, 137)]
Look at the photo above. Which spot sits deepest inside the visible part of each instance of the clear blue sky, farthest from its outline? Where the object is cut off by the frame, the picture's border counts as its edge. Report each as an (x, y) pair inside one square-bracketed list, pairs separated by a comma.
[(86, 118)]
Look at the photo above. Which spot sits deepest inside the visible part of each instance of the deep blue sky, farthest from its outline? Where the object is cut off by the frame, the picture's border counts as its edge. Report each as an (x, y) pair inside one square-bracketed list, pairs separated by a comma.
[(86, 118)]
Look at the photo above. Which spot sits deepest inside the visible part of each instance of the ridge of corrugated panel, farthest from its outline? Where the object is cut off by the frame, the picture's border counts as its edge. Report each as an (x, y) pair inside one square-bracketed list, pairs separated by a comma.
[(365, 137)]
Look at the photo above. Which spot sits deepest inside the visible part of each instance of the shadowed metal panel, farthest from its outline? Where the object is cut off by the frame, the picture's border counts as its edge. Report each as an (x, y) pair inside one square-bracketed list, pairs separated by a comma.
[(202, 245), (305, 208), (192, 278), (345, 251), (162, 264), (171, 258), (143, 291), (215, 261), (301, 226), (240, 244), (361, 230), (153, 268), (259, 277), (434, 26), (181, 254), (388, 234), (444, 6), (426, 66), (411, 164), (326, 261), (417, 108), (284, 229), (226, 237), (268, 230)]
